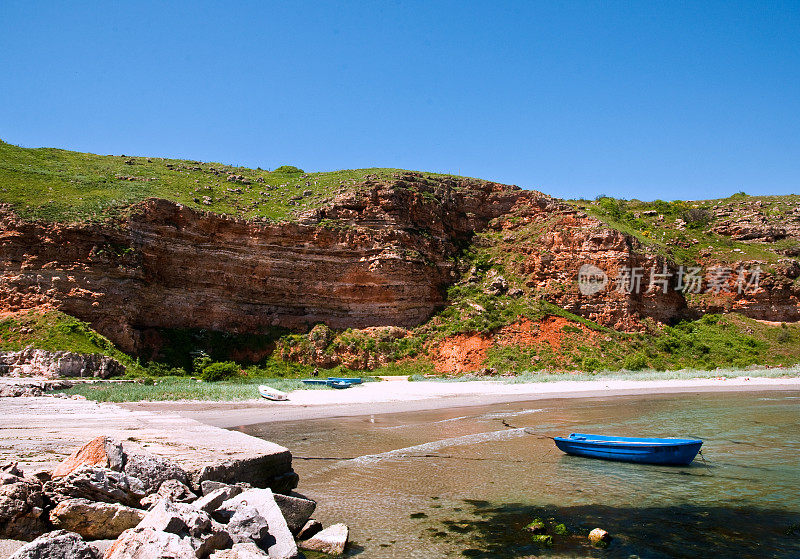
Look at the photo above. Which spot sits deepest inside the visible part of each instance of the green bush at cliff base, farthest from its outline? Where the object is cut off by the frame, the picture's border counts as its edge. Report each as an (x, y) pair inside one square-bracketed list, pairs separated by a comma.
[(220, 371)]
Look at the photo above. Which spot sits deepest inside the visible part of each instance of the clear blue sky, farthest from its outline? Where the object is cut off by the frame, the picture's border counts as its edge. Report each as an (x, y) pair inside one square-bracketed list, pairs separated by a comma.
[(633, 99)]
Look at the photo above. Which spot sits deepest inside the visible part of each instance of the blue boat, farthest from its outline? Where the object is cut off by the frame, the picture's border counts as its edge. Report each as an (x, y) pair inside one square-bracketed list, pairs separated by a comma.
[(631, 449), (345, 379), (333, 382)]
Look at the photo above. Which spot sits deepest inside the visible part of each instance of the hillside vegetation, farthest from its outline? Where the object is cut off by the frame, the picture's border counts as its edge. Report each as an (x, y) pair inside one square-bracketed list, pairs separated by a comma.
[(59, 185)]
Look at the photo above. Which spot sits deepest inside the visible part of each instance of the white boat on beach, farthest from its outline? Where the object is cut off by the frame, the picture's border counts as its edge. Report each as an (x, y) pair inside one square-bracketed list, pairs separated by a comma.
[(272, 393)]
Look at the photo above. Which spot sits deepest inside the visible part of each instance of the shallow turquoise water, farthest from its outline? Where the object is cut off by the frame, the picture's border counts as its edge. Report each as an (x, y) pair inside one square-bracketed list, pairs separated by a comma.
[(464, 481)]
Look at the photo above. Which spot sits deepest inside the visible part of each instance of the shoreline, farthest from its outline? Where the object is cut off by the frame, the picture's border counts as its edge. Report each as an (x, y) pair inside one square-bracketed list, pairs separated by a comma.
[(397, 396)]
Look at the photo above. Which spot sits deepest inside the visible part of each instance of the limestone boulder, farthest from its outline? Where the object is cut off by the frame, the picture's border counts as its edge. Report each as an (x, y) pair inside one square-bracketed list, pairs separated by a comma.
[(210, 502), (100, 451), (310, 528), (248, 526), (21, 508), (296, 510), (95, 521), (263, 501), (96, 484), (152, 470), (331, 540), (209, 486), (57, 545), (186, 521), (149, 543), (171, 490), (240, 551)]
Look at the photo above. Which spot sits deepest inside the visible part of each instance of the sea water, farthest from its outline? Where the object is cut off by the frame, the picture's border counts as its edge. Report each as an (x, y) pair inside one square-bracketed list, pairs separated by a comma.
[(464, 482)]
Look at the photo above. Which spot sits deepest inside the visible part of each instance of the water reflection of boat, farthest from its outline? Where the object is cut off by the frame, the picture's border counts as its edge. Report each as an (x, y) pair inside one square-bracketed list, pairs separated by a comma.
[(631, 449)]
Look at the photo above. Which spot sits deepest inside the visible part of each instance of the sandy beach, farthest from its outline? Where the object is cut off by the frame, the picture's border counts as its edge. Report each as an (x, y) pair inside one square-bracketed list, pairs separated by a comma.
[(400, 395)]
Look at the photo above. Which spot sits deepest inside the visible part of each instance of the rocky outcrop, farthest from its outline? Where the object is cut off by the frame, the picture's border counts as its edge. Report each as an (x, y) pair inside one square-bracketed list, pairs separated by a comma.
[(52, 364), (96, 484), (380, 255), (331, 540)]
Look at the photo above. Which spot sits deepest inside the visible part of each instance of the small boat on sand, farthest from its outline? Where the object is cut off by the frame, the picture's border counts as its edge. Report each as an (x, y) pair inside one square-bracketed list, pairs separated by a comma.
[(272, 393), (631, 449), (333, 382)]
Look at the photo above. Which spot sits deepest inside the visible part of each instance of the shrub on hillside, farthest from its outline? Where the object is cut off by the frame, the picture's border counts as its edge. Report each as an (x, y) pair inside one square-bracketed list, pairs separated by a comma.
[(288, 170), (220, 371)]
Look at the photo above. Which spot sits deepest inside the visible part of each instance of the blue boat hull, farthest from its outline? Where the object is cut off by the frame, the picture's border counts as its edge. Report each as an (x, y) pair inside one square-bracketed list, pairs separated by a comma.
[(675, 452)]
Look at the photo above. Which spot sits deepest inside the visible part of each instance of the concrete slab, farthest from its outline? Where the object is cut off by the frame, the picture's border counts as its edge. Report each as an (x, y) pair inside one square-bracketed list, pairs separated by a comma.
[(40, 432)]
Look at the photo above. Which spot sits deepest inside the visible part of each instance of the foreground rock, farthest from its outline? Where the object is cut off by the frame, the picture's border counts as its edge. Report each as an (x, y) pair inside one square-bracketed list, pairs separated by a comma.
[(151, 470), (248, 526), (171, 490), (101, 451), (95, 521), (149, 543), (21, 507), (240, 551), (210, 502), (331, 540), (96, 484), (59, 544), (296, 510), (204, 534), (284, 546)]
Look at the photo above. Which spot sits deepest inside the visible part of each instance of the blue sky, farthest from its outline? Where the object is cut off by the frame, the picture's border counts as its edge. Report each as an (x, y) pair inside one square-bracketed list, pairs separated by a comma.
[(632, 99)]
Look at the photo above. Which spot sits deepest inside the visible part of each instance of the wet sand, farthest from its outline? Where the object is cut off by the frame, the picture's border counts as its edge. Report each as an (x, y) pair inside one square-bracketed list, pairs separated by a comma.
[(399, 395)]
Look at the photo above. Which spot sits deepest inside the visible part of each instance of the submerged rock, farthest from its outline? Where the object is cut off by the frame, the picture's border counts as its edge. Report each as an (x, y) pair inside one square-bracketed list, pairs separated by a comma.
[(332, 540), (95, 521), (59, 544), (599, 537)]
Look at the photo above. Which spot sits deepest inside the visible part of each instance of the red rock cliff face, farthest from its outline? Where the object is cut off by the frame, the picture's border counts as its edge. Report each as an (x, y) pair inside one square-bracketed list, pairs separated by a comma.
[(381, 256)]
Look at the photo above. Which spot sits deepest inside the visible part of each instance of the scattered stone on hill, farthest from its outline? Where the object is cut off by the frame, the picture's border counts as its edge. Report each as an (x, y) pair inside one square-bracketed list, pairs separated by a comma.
[(96, 483), (21, 507), (93, 520), (59, 544), (52, 364), (332, 540)]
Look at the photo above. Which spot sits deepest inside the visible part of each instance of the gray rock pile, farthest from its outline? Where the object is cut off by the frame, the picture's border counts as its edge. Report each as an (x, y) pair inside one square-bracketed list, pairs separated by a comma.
[(151, 508)]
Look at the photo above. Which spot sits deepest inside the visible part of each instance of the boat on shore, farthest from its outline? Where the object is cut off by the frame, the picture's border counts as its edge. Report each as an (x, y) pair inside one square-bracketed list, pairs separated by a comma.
[(676, 452), (333, 382), (272, 393)]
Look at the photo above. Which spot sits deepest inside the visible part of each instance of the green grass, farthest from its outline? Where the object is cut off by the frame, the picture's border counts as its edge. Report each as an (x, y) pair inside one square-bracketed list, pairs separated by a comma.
[(66, 186), (682, 374), (55, 331), (181, 388), (659, 232)]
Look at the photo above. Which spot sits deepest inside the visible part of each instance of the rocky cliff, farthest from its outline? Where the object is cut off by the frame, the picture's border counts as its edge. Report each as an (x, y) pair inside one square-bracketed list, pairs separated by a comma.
[(379, 254)]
